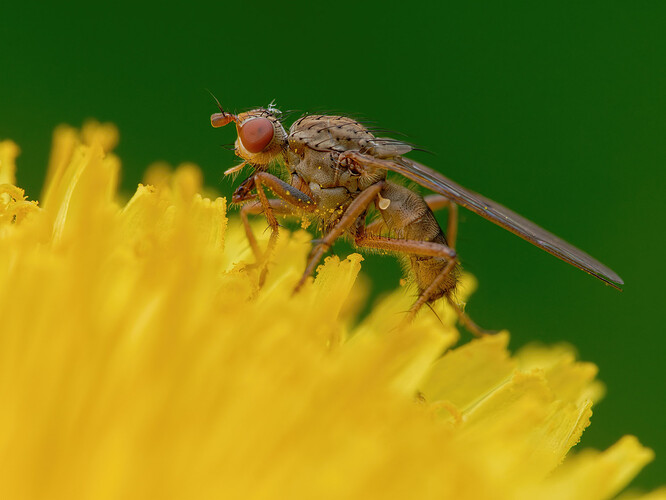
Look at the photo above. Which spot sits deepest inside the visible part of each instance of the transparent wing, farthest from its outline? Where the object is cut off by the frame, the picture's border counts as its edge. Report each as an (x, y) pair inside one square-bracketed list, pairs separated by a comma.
[(494, 212)]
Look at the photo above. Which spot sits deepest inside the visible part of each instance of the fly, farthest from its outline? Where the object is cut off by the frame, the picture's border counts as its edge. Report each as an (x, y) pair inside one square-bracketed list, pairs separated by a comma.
[(337, 172)]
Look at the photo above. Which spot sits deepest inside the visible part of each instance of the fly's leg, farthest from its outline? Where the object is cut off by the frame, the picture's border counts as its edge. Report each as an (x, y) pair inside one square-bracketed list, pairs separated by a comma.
[(290, 202), (259, 180), (277, 206), (415, 247), (466, 321), (353, 212), (437, 202), (426, 249)]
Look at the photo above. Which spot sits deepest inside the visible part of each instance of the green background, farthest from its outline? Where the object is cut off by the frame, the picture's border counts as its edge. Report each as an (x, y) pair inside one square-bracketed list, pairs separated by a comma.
[(555, 109)]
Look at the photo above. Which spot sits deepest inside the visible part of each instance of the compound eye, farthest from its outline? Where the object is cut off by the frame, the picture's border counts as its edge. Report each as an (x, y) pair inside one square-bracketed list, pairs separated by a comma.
[(256, 134)]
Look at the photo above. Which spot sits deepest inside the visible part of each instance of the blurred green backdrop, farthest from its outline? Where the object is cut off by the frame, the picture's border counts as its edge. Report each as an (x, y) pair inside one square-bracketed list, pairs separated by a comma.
[(556, 109)]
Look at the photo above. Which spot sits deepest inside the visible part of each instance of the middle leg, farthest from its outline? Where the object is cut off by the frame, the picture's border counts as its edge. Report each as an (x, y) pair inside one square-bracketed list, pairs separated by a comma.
[(355, 210)]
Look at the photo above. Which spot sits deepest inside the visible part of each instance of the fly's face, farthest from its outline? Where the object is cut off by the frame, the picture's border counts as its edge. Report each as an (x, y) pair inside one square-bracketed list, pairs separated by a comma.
[(261, 136)]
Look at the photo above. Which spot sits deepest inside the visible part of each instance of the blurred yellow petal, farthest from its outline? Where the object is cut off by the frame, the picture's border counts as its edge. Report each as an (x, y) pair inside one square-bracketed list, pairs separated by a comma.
[(8, 153), (566, 377), (659, 494), (14, 207), (595, 475), (139, 358), (471, 372)]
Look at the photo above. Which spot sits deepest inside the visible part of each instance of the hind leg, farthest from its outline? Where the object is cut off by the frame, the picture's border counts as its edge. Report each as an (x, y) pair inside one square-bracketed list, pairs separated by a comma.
[(429, 249), (415, 247)]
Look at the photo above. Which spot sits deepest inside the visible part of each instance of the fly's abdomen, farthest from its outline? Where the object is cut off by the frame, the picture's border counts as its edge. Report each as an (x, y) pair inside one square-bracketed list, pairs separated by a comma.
[(408, 217)]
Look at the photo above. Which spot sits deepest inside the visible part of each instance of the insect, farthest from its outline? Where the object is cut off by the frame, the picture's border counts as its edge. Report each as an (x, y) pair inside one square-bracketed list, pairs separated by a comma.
[(337, 172)]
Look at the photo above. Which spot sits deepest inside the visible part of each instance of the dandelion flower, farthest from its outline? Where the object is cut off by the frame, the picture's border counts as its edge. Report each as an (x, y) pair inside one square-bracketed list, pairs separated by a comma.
[(139, 359)]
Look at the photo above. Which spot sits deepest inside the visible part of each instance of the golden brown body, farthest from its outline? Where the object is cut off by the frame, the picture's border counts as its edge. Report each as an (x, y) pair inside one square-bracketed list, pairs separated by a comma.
[(315, 143)]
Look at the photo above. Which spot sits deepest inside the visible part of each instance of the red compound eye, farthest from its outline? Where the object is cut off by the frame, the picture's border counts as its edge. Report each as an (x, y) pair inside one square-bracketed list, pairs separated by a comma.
[(256, 134)]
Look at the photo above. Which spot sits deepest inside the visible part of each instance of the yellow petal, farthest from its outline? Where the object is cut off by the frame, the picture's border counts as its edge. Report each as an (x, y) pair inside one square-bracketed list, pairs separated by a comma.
[(140, 358), (568, 378), (70, 154), (595, 475), (8, 153), (471, 372), (659, 494)]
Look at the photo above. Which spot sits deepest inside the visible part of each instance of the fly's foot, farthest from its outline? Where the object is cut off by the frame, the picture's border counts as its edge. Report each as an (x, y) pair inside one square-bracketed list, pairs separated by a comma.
[(262, 268), (463, 319), (299, 285), (316, 254)]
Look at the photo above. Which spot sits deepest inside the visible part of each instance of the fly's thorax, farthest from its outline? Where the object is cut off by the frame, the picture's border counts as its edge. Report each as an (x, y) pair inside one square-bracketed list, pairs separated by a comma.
[(331, 202), (316, 140), (367, 177), (341, 133), (329, 133), (319, 167), (324, 168)]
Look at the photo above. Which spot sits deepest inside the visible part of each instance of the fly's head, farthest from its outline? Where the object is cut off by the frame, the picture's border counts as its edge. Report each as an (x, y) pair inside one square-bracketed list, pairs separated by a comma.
[(261, 136)]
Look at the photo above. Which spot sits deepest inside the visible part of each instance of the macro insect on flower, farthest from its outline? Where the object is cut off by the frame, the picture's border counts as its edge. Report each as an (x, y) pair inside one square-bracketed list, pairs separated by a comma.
[(338, 174)]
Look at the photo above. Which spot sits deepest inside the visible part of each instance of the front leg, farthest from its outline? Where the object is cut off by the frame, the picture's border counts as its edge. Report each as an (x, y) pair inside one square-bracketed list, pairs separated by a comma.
[(254, 207), (294, 197), (291, 202)]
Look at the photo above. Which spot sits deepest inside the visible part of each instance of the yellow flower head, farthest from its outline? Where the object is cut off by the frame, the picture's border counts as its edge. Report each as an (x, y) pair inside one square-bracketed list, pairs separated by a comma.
[(139, 359)]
